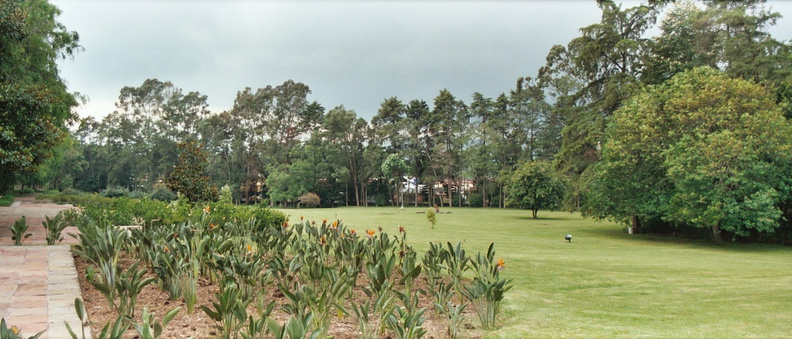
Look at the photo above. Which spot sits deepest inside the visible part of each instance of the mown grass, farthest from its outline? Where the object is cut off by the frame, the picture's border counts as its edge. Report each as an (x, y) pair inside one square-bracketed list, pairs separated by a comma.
[(606, 283)]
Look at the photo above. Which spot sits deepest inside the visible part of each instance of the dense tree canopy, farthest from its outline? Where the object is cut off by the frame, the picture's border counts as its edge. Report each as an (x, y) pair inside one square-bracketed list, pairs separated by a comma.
[(34, 101), (535, 186), (701, 149)]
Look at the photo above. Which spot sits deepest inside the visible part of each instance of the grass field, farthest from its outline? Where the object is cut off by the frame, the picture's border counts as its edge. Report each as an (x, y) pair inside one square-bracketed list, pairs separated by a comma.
[(606, 283)]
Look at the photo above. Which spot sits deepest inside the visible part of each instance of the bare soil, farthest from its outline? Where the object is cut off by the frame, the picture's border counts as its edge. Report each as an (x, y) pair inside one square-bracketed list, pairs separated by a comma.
[(199, 325)]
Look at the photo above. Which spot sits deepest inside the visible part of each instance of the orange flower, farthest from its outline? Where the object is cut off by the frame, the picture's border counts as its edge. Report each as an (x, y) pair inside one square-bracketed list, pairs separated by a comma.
[(301, 218), (370, 233), (352, 231), (401, 229), (167, 250), (501, 264), (285, 224), (324, 221), (207, 209), (15, 329), (249, 249), (335, 223), (322, 240), (212, 226)]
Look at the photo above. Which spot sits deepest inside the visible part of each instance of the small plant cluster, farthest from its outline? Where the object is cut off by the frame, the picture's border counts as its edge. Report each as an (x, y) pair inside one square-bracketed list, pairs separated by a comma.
[(19, 231), (317, 267), (54, 227)]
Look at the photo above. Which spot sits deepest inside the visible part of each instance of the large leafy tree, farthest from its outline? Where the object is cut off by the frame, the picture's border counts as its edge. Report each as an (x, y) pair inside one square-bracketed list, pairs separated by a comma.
[(446, 125), (731, 36), (34, 101), (142, 133), (534, 186), (703, 150), (346, 132), (394, 167), (603, 67), (189, 177)]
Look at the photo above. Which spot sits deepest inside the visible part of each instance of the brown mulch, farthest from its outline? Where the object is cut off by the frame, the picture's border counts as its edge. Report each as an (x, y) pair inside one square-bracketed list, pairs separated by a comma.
[(199, 325)]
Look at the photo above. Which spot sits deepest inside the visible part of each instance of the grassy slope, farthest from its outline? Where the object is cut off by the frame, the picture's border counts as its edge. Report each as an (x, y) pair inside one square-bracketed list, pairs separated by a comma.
[(606, 283)]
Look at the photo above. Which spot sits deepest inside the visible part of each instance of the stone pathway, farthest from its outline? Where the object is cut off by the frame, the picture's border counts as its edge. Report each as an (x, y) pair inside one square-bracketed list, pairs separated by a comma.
[(34, 212), (38, 283)]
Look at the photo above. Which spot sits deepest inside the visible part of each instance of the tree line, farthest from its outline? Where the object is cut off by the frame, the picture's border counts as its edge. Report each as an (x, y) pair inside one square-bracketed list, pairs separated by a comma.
[(574, 120)]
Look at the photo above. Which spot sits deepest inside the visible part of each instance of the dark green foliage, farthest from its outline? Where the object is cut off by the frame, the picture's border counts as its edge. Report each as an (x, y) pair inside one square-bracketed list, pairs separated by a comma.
[(6, 200), (702, 149), (162, 194), (188, 177), (115, 192), (34, 101), (536, 186), (19, 231)]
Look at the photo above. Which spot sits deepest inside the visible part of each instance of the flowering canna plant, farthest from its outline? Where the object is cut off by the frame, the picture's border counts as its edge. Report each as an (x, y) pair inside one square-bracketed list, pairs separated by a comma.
[(487, 289)]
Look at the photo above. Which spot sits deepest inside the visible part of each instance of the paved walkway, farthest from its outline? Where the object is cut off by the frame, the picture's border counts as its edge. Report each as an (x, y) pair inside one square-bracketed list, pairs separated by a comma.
[(38, 283)]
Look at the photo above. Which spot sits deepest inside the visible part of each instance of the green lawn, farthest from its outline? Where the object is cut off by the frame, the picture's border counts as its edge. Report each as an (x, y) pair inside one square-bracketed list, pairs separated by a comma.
[(606, 283)]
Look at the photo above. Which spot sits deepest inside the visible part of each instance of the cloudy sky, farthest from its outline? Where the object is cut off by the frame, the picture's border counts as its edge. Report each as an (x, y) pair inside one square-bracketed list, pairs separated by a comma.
[(351, 53)]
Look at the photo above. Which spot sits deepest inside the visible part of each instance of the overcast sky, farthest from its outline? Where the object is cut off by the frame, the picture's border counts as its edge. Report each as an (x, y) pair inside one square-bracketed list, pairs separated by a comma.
[(351, 53)]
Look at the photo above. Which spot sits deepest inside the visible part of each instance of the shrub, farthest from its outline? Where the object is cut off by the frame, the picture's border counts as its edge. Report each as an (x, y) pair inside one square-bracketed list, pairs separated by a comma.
[(431, 217), (115, 192), (380, 199), (137, 194), (162, 193), (6, 200), (309, 200)]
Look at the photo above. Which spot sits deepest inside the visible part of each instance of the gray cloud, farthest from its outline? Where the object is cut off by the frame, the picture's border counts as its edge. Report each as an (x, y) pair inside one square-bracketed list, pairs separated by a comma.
[(353, 53)]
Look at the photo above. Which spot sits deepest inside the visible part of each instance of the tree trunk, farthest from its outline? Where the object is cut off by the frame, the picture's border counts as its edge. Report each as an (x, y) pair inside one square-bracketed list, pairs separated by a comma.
[(533, 212), (634, 225), (459, 192), (390, 195), (450, 194), (716, 234), (416, 191)]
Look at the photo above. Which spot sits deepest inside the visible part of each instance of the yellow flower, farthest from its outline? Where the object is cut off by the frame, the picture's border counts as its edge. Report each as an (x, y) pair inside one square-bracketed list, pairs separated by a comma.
[(15, 330), (335, 223), (501, 264)]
